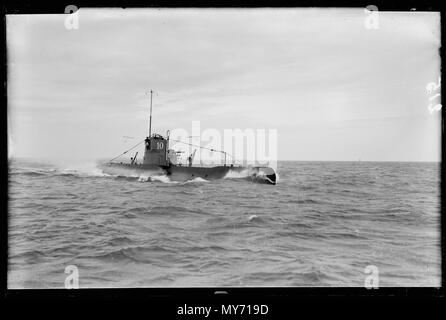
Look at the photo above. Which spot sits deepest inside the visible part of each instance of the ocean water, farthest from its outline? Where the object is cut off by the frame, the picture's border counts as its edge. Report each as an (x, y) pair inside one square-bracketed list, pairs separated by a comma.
[(321, 225)]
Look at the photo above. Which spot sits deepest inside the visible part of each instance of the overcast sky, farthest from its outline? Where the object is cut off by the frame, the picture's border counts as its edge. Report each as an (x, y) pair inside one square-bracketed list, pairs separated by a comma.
[(333, 89)]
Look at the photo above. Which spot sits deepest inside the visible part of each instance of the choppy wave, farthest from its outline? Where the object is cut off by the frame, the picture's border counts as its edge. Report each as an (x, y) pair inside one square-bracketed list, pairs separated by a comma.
[(321, 225)]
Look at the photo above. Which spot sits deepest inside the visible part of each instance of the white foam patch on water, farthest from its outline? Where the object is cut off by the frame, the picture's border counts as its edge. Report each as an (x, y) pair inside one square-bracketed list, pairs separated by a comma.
[(143, 179), (197, 179), (84, 169), (158, 178), (129, 171), (237, 174)]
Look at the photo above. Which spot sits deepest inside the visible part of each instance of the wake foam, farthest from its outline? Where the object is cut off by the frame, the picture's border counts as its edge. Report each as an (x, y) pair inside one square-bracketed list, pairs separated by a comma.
[(156, 178), (89, 169), (237, 174), (195, 180)]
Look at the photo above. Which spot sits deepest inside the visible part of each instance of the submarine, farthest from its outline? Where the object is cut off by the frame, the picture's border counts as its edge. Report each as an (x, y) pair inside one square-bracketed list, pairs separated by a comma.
[(160, 159)]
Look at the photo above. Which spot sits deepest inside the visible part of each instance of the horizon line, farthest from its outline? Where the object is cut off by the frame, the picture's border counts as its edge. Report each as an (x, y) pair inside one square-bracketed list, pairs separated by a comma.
[(285, 160)]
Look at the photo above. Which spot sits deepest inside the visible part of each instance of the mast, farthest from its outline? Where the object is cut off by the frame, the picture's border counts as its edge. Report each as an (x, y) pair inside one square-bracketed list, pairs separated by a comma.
[(150, 120)]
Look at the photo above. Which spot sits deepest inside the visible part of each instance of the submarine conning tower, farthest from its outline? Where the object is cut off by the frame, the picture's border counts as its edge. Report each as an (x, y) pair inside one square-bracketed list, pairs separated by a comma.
[(155, 151)]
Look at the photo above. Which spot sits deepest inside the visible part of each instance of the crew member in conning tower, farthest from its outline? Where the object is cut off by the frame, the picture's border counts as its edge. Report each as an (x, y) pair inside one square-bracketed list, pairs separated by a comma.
[(147, 143), (189, 159)]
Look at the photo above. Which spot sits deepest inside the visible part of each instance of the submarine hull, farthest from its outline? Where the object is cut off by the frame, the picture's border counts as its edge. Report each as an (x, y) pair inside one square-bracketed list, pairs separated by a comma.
[(264, 175)]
